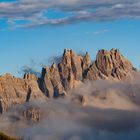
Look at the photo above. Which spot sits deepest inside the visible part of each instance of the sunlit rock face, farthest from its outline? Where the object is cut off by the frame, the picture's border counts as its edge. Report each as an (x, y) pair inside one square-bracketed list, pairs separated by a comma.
[(17, 91), (73, 68), (51, 82), (86, 64), (57, 80), (109, 64), (70, 69)]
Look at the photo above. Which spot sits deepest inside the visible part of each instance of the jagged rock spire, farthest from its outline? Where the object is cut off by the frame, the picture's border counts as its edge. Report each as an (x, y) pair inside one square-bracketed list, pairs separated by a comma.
[(109, 64), (58, 79), (74, 68)]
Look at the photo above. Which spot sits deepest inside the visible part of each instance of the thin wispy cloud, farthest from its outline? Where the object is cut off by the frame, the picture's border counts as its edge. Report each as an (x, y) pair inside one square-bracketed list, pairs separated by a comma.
[(99, 32), (29, 13)]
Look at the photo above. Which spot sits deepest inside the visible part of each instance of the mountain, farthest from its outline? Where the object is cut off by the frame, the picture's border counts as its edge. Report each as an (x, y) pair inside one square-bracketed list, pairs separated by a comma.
[(59, 79)]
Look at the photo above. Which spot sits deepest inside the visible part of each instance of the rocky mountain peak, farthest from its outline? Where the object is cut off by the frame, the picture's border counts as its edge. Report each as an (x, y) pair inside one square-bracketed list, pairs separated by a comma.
[(109, 64), (29, 76), (57, 80), (8, 76), (86, 61), (62, 77)]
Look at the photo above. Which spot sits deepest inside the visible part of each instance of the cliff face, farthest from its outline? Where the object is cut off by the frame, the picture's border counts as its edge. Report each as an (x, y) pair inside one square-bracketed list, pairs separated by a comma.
[(109, 64), (74, 68), (60, 78), (17, 91)]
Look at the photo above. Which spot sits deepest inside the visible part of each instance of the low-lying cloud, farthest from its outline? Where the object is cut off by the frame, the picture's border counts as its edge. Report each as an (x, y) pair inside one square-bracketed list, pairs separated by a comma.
[(111, 111), (28, 13)]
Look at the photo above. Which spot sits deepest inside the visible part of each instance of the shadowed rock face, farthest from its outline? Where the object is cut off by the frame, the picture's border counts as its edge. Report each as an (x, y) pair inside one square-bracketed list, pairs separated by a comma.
[(60, 78), (31, 115)]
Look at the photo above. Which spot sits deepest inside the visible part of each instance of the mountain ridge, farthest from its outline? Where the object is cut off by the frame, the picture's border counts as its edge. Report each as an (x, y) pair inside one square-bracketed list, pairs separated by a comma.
[(57, 80)]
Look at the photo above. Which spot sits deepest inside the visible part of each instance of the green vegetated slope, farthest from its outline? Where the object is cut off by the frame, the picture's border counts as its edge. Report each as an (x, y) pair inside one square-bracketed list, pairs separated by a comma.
[(5, 137)]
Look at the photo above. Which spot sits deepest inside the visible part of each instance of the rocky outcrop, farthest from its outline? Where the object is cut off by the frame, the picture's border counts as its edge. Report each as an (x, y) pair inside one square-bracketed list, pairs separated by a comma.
[(32, 115), (51, 82), (70, 69), (86, 64), (58, 79), (109, 64), (17, 91), (73, 68), (79, 99), (33, 89)]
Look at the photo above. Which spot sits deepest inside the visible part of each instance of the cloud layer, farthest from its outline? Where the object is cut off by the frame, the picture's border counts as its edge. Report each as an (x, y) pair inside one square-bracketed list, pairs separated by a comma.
[(64, 119), (29, 13)]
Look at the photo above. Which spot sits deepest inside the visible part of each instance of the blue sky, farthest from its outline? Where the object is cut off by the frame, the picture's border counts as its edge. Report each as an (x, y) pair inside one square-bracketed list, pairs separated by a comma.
[(44, 32)]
